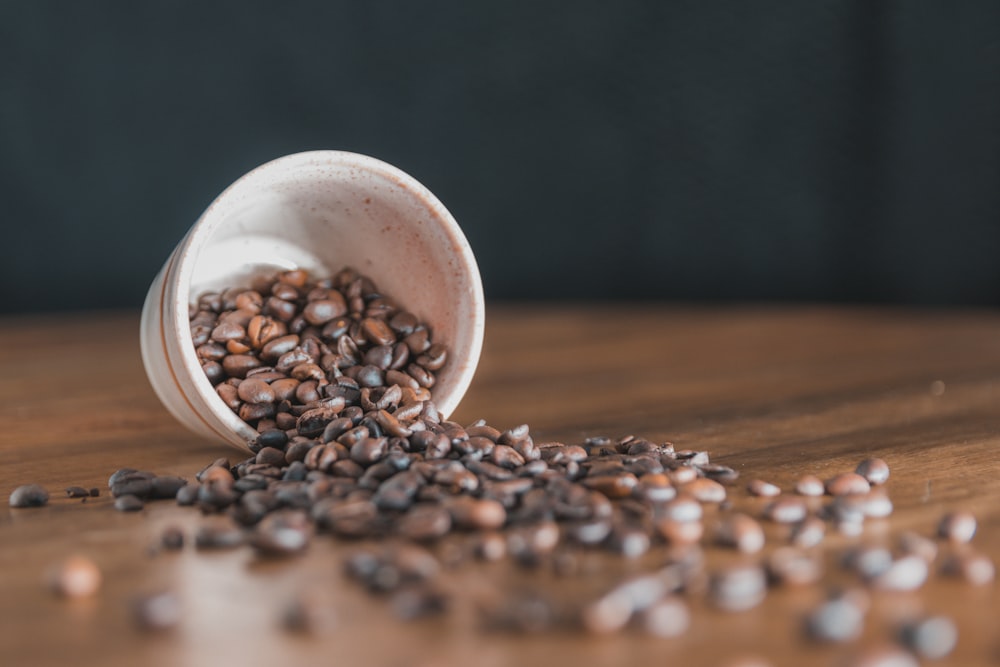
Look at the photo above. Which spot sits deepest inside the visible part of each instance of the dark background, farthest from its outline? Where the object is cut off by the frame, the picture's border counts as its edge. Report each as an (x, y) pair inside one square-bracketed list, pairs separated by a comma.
[(818, 151)]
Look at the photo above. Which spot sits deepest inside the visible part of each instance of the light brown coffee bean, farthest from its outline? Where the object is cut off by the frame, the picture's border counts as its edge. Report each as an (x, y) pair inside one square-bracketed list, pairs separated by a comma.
[(760, 488), (255, 391), (848, 483), (706, 490)]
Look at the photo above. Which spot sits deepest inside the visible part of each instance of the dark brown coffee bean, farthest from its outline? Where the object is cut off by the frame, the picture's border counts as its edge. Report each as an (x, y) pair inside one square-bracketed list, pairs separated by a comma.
[(172, 538), (425, 522), (434, 358), (321, 311), (237, 365), (188, 494), (164, 487), (128, 503), (137, 484), (219, 534), (476, 514), (77, 492)]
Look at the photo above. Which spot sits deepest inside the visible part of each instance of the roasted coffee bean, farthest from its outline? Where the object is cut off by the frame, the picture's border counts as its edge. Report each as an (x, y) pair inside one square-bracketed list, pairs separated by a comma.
[(75, 577), (786, 509), (931, 637), (219, 534), (875, 470), (613, 486), (759, 487), (188, 494), (95, 492), (741, 532), (76, 492), (810, 485), (808, 533), (974, 568), (136, 483), (282, 533), (906, 573), (719, 473), (738, 588), (909, 542), (838, 619), (706, 490), (667, 618), (128, 503), (419, 602), (425, 522), (957, 527), (164, 487), (172, 538), (157, 613), (793, 567), (470, 513), (848, 483)]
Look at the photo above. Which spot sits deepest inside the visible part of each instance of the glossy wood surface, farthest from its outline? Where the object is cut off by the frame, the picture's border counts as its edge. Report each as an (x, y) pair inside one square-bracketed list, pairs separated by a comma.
[(774, 392)]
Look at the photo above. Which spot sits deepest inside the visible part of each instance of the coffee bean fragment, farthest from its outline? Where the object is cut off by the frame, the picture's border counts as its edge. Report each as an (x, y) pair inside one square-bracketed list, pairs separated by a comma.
[(29, 495), (77, 492)]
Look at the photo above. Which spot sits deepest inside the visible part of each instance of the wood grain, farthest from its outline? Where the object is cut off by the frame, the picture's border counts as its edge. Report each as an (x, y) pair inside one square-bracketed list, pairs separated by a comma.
[(774, 392)]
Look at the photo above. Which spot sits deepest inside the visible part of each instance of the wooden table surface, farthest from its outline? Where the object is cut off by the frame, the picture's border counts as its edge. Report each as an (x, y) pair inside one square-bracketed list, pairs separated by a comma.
[(774, 392)]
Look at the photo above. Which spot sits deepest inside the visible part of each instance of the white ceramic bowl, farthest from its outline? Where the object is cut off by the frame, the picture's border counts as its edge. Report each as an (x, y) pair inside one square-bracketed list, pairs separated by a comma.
[(320, 211)]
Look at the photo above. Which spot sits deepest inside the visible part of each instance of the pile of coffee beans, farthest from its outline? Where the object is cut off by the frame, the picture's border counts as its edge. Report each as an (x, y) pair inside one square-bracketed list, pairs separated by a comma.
[(290, 355)]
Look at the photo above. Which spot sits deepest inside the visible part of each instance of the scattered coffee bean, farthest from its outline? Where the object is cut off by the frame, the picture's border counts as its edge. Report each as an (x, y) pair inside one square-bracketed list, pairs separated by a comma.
[(975, 568), (667, 618), (786, 509), (172, 538), (793, 567), (810, 485), (75, 577), (219, 534), (932, 637), (158, 612), (906, 573), (848, 483), (705, 490), (77, 492), (95, 492), (808, 533), (129, 503), (910, 542), (957, 527), (876, 471), (838, 619), (741, 532), (738, 588), (29, 495), (759, 487)]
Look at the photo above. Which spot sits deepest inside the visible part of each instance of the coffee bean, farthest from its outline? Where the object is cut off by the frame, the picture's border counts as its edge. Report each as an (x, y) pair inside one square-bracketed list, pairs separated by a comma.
[(165, 487), (740, 532), (810, 485), (875, 470), (909, 542), (475, 514), (759, 487), (848, 483), (158, 612), (419, 602), (786, 509), (667, 618), (95, 492), (706, 490), (794, 567), (219, 534), (808, 533), (680, 532), (957, 527), (282, 533), (75, 577), (738, 588), (128, 503), (931, 637), (76, 492), (172, 538), (906, 573), (425, 522), (835, 620), (974, 568)]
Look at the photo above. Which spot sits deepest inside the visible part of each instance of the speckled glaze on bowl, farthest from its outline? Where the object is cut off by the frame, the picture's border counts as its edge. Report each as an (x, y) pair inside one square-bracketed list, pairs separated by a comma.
[(320, 211)]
